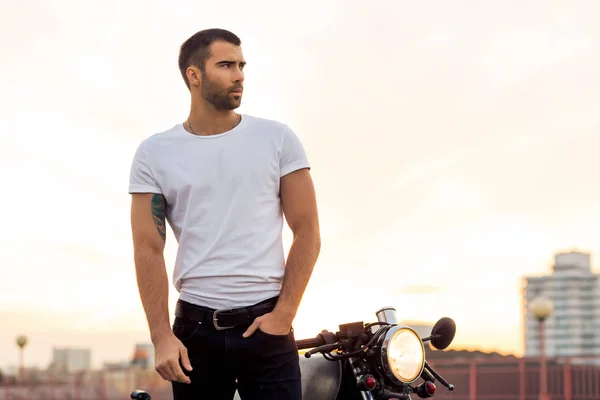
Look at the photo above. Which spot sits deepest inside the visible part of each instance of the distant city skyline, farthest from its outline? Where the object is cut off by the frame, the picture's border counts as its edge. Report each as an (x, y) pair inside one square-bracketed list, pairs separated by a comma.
[(453, 148), (121, 344)]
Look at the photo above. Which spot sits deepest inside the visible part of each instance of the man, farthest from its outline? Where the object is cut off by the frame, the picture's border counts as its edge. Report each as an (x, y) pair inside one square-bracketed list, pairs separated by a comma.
[(223, 181)]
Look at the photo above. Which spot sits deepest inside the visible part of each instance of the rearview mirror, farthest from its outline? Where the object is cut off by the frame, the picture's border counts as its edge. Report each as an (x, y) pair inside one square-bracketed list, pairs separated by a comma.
[(443, 333)]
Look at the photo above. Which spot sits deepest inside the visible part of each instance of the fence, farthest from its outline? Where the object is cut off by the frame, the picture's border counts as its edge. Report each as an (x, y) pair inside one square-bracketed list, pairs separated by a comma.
[(519, 379), (92, 385), (474, 379)]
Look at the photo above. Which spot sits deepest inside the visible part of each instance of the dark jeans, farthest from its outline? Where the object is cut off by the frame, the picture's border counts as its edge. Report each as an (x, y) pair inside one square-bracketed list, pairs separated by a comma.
[(260, 367)]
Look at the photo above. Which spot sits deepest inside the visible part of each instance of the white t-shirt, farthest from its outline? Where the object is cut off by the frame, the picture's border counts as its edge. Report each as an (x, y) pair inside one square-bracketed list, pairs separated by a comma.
[(223, 204)]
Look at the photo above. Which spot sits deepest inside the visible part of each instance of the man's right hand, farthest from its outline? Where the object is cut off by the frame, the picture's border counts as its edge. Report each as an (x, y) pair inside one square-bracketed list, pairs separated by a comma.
[(168, 350)]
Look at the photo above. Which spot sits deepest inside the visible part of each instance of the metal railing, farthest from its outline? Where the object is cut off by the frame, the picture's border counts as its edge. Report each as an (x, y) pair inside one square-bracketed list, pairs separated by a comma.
[(571, 378), (501, 378)]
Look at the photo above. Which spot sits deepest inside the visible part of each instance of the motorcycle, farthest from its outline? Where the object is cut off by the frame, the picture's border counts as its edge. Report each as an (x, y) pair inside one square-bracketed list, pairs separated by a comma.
[(373, 361)]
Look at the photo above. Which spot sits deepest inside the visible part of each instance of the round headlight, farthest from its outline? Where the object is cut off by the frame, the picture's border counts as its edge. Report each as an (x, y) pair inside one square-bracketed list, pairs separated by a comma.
[(402, 354)]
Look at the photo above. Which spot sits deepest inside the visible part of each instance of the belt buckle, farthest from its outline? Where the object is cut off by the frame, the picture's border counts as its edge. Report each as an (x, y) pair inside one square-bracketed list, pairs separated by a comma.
[(215, 319)]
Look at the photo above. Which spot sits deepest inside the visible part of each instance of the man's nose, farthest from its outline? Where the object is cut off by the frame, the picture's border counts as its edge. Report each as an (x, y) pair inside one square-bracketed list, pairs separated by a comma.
[(238, 75)]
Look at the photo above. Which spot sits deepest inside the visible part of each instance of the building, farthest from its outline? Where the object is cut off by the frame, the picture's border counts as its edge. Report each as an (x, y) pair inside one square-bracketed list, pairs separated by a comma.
[(71, 359), (143, 355), (575, 291), (116, 365)]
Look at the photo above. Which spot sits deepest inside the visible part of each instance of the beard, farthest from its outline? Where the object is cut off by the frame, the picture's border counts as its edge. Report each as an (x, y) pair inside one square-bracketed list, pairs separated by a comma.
[(220, 97)]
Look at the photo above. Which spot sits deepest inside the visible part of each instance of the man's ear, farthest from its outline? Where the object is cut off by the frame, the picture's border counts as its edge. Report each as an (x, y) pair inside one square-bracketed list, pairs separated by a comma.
[(194, 75)]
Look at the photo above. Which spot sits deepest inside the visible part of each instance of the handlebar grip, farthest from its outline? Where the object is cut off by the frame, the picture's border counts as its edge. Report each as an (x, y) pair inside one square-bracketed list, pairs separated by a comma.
[(310, 343)]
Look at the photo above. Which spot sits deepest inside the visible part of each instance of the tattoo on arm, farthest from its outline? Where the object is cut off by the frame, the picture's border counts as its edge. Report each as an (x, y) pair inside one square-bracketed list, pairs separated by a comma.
[(159, 206)]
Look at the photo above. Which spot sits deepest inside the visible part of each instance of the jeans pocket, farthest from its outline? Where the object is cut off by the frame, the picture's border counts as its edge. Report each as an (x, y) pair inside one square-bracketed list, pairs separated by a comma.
[(270, 335), (184, 330), (266, 346)]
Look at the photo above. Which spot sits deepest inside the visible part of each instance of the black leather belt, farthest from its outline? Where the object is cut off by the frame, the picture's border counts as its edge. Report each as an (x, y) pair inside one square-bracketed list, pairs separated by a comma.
[(225, 318)]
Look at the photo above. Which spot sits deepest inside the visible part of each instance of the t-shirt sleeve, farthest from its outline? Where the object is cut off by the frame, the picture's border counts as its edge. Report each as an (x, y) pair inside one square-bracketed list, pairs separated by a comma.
[(293, 157), (141, 178)]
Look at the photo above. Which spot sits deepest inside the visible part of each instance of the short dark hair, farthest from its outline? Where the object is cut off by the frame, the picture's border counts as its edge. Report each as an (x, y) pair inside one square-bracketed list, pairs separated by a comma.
[(196, 50)]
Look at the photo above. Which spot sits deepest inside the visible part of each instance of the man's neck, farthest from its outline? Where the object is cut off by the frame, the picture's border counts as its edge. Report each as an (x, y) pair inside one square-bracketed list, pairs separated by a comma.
[(206, 121)]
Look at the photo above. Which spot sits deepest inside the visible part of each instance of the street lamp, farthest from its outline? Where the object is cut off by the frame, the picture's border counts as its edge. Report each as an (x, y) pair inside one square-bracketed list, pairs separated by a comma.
[(541, 308), (21, 342)]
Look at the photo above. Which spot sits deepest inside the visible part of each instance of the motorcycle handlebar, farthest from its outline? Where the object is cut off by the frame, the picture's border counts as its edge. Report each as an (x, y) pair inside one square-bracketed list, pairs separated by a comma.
[(323, 338), (310, 343)]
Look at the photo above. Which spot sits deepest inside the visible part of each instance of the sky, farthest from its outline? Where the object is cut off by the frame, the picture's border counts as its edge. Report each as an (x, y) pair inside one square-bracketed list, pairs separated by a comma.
[(454, 149)]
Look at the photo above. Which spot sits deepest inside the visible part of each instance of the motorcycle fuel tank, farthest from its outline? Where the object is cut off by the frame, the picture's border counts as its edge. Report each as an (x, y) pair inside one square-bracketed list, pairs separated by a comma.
[(321, 379)]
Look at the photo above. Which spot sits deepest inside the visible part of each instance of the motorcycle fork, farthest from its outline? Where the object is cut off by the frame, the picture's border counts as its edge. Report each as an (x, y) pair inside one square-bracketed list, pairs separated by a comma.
[(357, 372)]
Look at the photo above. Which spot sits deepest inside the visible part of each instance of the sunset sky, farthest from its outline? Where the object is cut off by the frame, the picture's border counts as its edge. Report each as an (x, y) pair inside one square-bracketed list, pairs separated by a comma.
[(454, 148)]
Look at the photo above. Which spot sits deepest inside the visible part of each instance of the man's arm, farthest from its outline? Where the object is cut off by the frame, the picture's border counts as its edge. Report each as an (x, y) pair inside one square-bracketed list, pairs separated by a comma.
[(149, 235), (300, 209), (299, 205)]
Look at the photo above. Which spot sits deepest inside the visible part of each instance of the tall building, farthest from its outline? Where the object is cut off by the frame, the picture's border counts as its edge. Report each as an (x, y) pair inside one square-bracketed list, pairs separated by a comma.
[(71, 359), (575, 291)]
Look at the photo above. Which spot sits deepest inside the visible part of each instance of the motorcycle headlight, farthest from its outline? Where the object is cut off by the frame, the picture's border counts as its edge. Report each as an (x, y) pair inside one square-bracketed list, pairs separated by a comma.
[(402, 354)]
